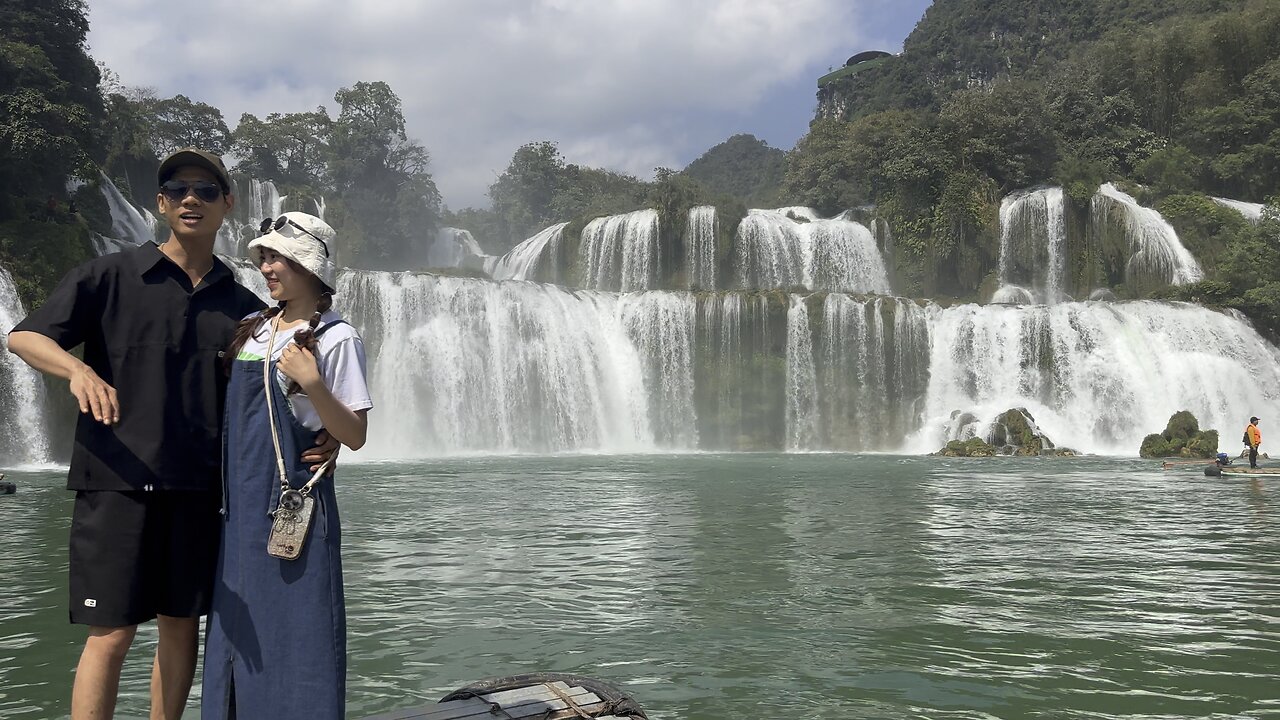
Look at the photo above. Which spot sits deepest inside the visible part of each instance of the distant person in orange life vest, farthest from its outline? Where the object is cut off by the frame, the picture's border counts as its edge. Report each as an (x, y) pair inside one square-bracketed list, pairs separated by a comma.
[(1253, 438)]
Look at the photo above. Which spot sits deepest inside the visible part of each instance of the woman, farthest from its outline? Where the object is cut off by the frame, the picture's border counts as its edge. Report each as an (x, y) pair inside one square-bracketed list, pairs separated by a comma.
[(276, 640)]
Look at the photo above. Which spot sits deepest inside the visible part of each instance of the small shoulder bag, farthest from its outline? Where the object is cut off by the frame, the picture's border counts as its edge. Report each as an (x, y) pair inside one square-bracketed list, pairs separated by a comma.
[(291, 520)]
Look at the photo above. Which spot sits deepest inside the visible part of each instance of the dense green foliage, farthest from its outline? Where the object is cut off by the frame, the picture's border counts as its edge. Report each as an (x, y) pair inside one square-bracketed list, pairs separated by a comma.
[(49, 106), (1183, 96), (539, 189), (742, 167), (1182, 437)]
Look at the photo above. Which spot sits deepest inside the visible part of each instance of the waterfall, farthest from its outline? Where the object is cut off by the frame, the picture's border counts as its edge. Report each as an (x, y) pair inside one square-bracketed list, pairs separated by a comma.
[(662, 326), (239, 227), (775, 251), (23, 439), (453, 247), (1155, 253), (1251, 211), (524, 261), (1033, 237), (130, 225), (620, 252), (1098, 377), (320, 206), (802, 381), (770, 252), (460, 365), (700, 248)]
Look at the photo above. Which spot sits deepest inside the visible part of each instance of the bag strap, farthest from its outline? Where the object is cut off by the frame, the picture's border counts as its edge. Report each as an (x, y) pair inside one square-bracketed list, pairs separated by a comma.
[(271, 416)]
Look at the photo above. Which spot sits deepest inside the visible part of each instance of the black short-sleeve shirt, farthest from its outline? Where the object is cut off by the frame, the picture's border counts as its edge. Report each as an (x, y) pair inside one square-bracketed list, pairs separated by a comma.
[(158, 341)]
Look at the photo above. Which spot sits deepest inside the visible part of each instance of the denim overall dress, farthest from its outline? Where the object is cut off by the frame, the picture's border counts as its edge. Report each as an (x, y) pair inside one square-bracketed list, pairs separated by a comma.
[(276, 637)]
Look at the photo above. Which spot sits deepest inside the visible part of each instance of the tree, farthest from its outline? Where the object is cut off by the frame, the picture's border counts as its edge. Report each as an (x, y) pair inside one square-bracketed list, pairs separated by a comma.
[(181, 122), (291, 149), (48, 96), (388, 195), (522, 195)]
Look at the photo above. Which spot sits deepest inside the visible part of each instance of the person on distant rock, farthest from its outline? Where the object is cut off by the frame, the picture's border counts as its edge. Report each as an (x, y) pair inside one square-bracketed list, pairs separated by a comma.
[(1252, 439)]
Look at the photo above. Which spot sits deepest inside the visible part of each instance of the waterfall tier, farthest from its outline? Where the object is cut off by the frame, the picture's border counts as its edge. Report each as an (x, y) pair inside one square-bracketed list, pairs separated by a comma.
[(1033, 237), (23, 434), (774, 250)]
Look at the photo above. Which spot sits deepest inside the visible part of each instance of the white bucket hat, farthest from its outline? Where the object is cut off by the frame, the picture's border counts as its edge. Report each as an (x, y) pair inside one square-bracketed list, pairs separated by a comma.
[(304, 239)]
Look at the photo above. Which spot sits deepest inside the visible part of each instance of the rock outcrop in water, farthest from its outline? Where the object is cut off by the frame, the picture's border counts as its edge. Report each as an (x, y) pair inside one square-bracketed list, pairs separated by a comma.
[(1182, 437)]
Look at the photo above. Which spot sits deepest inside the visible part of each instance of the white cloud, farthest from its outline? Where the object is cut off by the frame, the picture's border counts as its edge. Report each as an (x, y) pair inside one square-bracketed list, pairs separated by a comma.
[(624, 84)]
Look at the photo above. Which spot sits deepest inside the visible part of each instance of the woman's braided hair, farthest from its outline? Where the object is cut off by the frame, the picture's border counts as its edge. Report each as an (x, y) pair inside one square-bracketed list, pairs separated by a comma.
[(306, 337)]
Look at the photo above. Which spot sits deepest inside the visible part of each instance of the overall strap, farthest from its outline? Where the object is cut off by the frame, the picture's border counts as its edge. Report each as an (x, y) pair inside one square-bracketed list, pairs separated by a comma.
[(271, 420)]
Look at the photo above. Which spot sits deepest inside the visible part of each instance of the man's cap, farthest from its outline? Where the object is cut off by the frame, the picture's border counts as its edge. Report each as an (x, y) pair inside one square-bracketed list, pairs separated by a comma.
[(314, 251), (197, 158), (1253, 419)]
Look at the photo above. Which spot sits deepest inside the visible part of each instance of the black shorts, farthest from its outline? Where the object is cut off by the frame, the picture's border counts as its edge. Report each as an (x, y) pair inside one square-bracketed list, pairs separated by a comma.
[(135, 555)]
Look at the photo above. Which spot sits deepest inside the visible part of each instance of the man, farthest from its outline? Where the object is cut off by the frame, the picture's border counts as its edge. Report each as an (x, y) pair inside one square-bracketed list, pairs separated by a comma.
[(146, 465), (1252, 439)]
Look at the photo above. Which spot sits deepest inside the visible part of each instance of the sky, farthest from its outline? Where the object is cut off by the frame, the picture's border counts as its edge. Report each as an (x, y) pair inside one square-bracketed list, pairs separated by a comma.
[(627, 85)]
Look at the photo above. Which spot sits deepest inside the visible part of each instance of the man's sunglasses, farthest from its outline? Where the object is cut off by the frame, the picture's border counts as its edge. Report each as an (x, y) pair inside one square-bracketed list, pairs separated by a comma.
[(278, 224), (177, 190)]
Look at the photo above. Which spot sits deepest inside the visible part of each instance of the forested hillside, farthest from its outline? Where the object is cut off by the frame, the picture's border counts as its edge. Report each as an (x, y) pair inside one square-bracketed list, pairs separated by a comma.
[(1179, 99), (65, 122)]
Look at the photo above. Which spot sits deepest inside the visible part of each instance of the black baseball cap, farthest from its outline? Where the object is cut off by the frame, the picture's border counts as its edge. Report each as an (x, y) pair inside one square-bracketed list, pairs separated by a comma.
[(1253, 419), (198, 158)]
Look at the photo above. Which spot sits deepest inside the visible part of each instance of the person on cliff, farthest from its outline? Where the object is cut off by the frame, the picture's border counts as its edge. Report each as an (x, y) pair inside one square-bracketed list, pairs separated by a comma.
[(147, 462), (1252, 439)]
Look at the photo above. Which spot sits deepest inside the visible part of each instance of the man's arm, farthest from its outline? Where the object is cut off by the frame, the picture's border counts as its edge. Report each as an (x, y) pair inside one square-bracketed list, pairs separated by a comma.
[(91, 392)]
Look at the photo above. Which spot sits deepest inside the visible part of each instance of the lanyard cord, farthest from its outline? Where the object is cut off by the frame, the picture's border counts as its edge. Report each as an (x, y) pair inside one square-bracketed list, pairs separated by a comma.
[(271, 417)]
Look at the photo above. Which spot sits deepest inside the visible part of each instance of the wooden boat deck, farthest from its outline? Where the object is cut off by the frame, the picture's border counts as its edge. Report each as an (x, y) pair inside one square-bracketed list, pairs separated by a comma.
[(550, 701)]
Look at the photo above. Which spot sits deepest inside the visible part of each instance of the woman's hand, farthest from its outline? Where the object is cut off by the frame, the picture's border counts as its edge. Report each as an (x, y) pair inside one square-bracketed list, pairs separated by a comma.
[(299, 365)]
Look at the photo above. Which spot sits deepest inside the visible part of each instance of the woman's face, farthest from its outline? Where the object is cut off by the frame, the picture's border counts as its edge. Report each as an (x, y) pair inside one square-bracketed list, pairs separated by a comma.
[(286, 280)]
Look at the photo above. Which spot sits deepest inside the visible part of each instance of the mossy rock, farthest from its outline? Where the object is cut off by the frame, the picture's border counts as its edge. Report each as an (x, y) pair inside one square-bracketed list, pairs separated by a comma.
[(1182, 426), (973, 447), (1154, 446), (1182, 437)]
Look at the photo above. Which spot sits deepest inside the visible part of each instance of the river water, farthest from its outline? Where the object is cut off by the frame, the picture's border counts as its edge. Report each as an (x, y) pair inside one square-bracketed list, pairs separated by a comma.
[(762, 586)]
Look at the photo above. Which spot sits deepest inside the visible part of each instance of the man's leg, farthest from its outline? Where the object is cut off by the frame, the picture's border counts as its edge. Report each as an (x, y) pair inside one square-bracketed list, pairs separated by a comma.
[(1253, 456), (174, 667), (98, 675)]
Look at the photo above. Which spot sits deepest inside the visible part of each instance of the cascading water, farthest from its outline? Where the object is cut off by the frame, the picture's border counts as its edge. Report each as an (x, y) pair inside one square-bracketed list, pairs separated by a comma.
[(320, 206), (1155, 253), (770, 252), (1251, 211), (525, 260), (620, 252), (23, 439), (454, 247), (262, 201), (1033, 237), (460, 365), (130, 226), (1098, 377), (662, 326), (802, 379), (700, 248), (775, 251)]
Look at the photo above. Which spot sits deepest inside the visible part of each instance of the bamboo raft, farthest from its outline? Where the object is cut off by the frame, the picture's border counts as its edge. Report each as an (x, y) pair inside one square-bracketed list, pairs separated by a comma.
[(537, 696), (1241, 471)]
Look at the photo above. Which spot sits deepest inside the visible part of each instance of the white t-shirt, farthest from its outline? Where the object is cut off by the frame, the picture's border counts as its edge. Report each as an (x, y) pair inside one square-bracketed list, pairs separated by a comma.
[(342, 365)]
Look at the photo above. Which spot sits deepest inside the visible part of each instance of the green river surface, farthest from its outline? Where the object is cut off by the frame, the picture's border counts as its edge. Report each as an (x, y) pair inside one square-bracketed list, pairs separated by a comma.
[(762, 586)]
